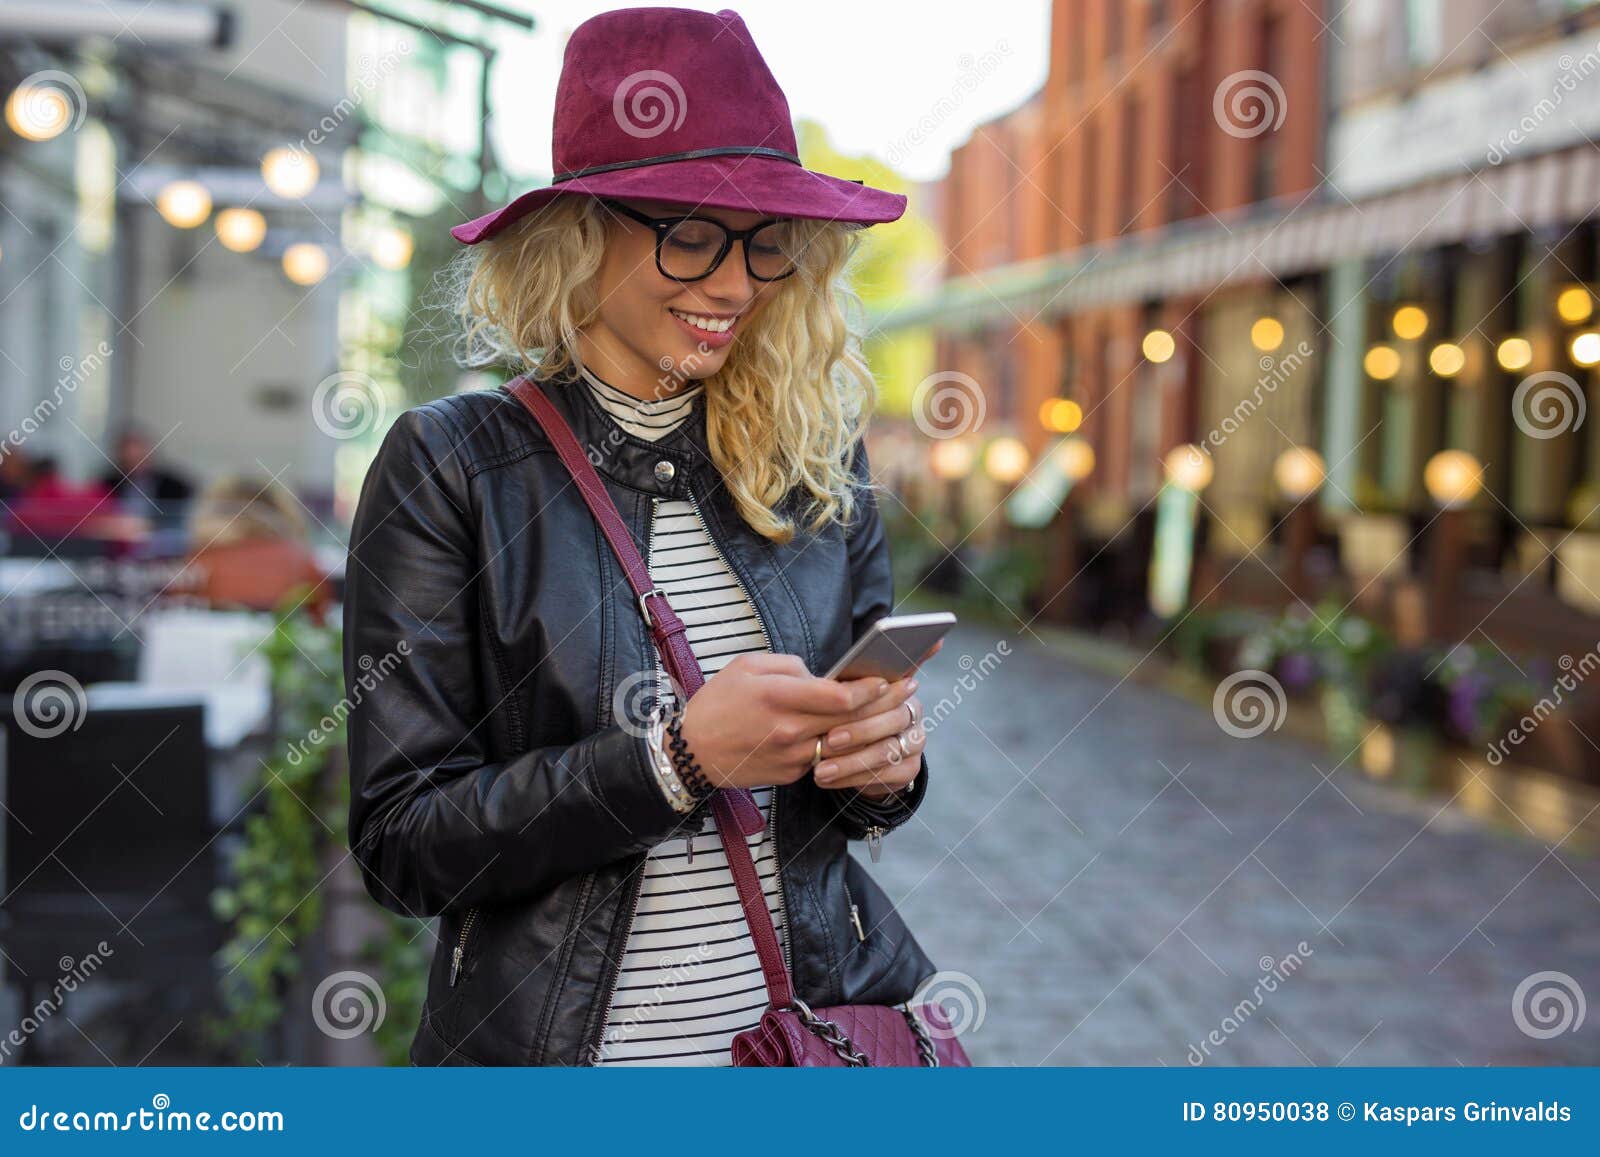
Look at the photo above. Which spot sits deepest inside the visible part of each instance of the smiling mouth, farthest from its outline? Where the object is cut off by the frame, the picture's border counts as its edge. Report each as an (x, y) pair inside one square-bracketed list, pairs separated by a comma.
[(706, 322)]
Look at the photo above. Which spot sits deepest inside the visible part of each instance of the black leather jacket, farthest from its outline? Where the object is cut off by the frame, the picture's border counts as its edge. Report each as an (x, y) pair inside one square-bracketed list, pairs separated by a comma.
[(490, 785)]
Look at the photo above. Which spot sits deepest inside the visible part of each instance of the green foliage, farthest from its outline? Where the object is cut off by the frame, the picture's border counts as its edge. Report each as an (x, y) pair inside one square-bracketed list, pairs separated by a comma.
[(1008, 575), (274, 904), (1341, 646)]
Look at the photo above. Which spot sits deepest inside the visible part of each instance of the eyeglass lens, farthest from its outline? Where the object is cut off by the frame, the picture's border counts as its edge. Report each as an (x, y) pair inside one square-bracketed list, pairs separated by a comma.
[(689, 249)]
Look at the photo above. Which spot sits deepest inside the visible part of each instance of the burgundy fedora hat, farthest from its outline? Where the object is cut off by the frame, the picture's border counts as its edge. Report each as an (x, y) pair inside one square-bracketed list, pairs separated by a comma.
[(676, 105)]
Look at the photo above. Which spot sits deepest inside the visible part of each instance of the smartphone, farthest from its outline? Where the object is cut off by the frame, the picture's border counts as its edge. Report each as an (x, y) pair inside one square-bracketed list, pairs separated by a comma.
[(893, 647)]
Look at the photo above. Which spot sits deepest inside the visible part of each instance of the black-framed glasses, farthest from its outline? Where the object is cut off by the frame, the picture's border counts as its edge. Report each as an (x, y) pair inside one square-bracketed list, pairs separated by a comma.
[(690, 248)]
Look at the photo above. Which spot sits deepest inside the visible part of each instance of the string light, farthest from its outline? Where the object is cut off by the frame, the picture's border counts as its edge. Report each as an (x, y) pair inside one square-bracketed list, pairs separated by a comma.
[(1575, 304), (1410, 322), (1382, 362), (1158, 346), (1585, 348), (1299, 471), (1188, 466), (1266, 334), (1074, 457), (1453, 478), (305, 263), (241, 230), (1447, 359), (1514, 353), (290, 173), (1060, 415), (184, 204), (1006, 459)]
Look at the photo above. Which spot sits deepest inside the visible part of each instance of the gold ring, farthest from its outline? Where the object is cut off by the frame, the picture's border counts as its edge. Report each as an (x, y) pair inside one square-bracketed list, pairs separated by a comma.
[(910, 706), (901, 738), (817, 757)]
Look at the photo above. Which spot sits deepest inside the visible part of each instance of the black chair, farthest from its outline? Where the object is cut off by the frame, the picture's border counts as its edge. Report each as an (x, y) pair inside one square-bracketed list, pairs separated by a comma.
[(109, 839)]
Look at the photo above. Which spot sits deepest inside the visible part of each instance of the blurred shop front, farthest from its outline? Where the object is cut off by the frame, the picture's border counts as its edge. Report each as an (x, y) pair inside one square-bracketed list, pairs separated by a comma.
[(1337, 284)]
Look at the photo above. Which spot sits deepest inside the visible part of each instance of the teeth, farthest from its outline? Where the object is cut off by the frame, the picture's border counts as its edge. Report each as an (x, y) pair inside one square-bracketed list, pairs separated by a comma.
[(709, 324)]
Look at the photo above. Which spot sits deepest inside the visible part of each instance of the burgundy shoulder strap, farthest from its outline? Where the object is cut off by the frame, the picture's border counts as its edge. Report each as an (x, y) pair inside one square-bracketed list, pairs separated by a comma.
[(665, 626), (735, 809)]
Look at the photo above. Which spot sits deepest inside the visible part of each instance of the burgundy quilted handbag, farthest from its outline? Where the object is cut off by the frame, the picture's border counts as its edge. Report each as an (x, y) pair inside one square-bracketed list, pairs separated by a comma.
[(790, 1033)]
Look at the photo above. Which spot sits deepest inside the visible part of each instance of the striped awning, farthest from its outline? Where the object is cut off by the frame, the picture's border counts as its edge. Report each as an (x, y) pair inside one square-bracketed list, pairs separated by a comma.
[(1275, 240)]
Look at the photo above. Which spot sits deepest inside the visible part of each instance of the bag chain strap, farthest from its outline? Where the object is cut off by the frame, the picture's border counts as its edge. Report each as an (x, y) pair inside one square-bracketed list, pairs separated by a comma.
[(930, 1056), (842, 1045), (830, 1032)]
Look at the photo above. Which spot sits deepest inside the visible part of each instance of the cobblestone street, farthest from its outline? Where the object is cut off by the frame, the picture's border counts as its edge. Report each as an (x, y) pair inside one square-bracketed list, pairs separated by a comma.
[(1122, 879)]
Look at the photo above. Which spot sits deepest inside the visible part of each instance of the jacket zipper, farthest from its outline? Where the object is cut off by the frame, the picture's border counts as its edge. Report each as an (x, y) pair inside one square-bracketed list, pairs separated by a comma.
[(638, 888), (716, 547), (855, 914), (458, 955), (772, 819), (598, 1042)]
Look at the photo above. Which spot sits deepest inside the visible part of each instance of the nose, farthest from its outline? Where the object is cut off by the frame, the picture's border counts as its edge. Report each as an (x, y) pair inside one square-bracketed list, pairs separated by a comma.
[(731, 281)]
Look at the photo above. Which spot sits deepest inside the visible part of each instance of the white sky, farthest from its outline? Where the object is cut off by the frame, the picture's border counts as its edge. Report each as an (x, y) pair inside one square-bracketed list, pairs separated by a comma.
[(871, 71)]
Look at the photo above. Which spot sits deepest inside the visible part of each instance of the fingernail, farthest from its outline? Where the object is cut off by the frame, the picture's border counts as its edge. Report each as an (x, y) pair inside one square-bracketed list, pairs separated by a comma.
[(883, 687), (838, 739), (826, 770), (911, 686)]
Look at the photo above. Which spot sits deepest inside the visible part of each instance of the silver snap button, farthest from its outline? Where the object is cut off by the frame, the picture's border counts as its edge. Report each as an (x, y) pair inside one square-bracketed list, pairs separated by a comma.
[(665, 471)]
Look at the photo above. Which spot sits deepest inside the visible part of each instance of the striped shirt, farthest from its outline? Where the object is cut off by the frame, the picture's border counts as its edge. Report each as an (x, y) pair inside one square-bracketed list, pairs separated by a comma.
[(690, 978)]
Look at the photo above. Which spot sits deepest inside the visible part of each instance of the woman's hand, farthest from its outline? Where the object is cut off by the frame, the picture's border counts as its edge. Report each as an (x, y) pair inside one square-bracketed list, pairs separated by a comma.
[(756, 721), (865, 752)]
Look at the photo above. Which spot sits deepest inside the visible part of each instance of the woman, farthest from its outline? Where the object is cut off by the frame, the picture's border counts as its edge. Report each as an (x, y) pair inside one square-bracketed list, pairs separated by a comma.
[(511, 775), (250, 550)]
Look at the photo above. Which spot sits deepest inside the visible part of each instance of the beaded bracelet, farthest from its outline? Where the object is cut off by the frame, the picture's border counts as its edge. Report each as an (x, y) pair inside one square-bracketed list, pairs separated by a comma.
[(685, 763)]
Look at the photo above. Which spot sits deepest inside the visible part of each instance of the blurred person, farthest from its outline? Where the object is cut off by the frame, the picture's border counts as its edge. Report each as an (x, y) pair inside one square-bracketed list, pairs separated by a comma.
[(16, 472), (139, 481), (496, 779), (53, 507), (250, 550)]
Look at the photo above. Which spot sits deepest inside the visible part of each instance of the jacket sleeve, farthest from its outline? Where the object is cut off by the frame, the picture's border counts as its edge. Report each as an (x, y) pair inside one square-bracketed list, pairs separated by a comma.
[(435, 823), (872, 597)]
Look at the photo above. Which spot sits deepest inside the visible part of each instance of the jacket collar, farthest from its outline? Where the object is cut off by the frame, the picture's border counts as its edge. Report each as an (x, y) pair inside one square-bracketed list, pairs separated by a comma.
[(663, 467)]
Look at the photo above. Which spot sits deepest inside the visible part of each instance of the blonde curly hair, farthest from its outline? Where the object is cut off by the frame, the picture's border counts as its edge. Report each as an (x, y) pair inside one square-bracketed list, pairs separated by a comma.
[(788, 408)]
